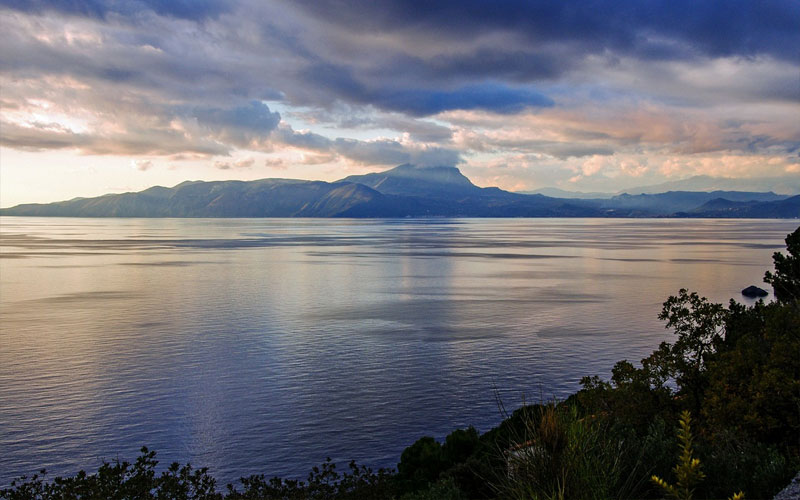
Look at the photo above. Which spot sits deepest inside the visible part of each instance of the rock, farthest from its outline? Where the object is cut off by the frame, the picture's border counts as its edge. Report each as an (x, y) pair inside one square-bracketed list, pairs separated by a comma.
[(791, 492), (754, 291)]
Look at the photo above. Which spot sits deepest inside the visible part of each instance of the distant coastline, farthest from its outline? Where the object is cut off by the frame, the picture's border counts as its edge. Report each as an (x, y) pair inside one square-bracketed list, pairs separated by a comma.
[(404, 191)]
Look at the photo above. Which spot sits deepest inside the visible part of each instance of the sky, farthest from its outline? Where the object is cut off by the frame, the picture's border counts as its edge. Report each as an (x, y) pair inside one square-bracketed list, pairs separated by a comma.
[(103, 96)]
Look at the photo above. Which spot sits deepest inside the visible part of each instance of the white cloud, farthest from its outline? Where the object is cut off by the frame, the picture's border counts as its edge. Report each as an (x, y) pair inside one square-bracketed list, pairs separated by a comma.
[(142, 165), (235, 164)]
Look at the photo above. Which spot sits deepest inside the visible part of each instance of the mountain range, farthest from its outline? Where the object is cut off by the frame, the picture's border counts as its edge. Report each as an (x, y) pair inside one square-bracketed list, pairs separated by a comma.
[(781, 185), (404, 191)]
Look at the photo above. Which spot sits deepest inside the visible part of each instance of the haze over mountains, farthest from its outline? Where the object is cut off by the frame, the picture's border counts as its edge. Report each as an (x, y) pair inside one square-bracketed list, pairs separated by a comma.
[(404, 191), (780, 185)]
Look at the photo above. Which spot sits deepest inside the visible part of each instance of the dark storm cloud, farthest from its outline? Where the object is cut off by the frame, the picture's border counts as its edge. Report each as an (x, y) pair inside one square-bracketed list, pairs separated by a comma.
[(255, 118), (303, 139), (561, 80), (652, 29), (176, 61), (374, 152), (422, 58), (489, 97), (181, 9), (422, 101), (507, 63), (432, 56)]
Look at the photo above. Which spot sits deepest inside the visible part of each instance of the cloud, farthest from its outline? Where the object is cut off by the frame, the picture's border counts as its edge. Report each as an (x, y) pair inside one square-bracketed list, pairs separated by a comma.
[(317, 159), (87, 119), (241, 126), (391, 152), (381, 151), (494, 97), (656, 29), (370, 118), (565, 151), (302, 139), (142, 165), (305, 159), (490, 97), (131, 141), (593, 165), (256, 117), (235, 164), (547, 86), (148, 128), (276, 163), (508, 63), (418, 130), (182, 9)]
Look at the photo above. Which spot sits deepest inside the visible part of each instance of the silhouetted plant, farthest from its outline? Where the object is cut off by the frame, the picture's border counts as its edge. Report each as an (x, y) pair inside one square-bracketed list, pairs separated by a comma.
[(786, 279), (322, 483), (120, 480), (688, 471)]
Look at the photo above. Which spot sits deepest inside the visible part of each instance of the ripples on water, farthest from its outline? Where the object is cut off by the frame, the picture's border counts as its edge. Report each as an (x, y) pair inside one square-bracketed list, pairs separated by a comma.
[(264, 345)]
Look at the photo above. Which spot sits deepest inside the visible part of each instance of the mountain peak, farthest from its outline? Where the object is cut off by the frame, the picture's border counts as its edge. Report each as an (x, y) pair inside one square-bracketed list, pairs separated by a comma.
[(443, 174), (414, 180), (406, 190)]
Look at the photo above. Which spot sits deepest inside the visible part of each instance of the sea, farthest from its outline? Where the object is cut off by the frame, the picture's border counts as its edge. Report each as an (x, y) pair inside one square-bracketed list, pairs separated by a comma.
[(264, 346)]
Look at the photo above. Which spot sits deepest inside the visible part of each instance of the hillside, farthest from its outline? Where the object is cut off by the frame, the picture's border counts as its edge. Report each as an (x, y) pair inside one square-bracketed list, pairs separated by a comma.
[(404, 191), (673, 202), (721, 207), (269, 197)]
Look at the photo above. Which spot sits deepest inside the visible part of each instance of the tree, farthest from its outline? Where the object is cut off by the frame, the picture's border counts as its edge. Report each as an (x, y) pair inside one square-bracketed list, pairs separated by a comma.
[(421, 463), (700, 327), (786, 279)]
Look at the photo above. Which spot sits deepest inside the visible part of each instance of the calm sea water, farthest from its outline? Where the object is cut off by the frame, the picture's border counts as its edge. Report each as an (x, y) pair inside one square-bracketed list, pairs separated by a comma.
[(265, 345)]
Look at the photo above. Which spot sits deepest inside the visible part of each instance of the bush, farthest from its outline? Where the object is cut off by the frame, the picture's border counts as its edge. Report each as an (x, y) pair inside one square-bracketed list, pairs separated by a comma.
[(563, 455)]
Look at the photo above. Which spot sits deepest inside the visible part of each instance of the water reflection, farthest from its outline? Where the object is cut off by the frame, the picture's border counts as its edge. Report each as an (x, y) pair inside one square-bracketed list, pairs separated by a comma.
[(263, 346)]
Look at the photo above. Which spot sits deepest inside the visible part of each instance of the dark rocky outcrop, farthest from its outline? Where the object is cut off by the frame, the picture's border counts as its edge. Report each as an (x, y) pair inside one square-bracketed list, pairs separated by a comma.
[(753, 291), (792, 491)]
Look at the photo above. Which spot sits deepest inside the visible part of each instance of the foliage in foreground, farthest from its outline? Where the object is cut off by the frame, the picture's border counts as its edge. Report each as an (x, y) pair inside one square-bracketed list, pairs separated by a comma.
[(139, 480), (736, 369), (688, 470)]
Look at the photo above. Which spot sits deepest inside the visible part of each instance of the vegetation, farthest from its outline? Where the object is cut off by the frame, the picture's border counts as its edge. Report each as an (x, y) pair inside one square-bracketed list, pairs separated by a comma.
[(688, 471), (734, 368)]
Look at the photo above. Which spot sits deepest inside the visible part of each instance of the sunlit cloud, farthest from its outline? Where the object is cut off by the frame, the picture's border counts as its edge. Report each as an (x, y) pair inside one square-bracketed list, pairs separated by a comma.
[(235, 164), (142, 165), (520, 95)]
